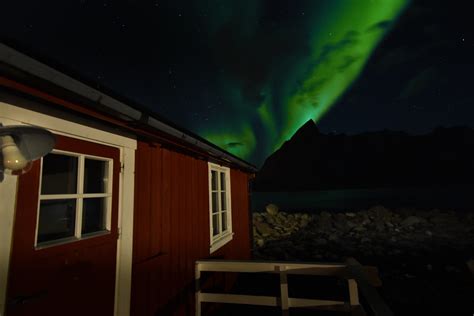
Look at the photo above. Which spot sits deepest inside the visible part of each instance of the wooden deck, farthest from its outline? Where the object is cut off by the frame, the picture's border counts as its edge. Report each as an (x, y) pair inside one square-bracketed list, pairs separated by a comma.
[(278, 299)]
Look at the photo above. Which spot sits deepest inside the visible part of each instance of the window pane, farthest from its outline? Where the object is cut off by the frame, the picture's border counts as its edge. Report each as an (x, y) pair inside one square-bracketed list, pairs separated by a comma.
[(223, 201), (222, 181), (215, 224), (59, 174), (214, 202), (93, 215), (95, 176), (214, 180), (57, 219), (224, 221)]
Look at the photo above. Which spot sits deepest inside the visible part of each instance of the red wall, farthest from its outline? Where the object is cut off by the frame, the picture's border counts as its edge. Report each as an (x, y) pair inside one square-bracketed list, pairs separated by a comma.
[(171, 228)]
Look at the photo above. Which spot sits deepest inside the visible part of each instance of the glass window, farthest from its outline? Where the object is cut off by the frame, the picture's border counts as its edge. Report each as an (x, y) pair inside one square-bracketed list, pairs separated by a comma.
[(214, 180), (215, 224), (222, 181), (86, 207), (224, 221), (59, 174), (93, 215), (57, 219), (220, 210), (214, 202), (95, 176), (223, 201)]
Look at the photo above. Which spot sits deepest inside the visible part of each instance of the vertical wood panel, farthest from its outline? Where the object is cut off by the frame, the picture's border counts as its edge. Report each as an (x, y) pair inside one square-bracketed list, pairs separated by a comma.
[(155, 199), (141, 241), (166, 215), (171, 229)]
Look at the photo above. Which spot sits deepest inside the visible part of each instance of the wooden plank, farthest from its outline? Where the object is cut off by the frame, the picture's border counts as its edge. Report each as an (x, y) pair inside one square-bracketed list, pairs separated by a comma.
[(141, 240), (305, 302), (166, 200), (166, 218), (155, 201), (175, 224), (197, 279), (269, 267), (180, 226), (353, 292), (203, 210), (375, 302), (283, 288), (239, 299)]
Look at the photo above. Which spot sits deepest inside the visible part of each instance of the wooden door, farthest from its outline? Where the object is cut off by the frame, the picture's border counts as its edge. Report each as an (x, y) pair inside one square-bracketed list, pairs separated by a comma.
[(65, 233)]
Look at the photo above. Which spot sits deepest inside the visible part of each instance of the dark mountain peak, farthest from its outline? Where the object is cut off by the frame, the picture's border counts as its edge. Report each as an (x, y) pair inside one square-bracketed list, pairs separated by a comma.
[(381, 159), (307, 131)]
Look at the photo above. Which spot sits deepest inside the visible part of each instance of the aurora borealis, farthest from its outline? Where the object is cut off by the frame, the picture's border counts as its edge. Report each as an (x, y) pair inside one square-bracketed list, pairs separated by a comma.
[(247, 74), (339, 38)]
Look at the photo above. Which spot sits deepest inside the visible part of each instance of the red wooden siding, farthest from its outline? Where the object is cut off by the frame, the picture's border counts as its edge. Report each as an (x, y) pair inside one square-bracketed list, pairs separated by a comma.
[(171, 228)]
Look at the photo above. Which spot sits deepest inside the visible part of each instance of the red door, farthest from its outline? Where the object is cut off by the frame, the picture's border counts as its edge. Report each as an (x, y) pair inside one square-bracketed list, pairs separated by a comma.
[(65, 233)]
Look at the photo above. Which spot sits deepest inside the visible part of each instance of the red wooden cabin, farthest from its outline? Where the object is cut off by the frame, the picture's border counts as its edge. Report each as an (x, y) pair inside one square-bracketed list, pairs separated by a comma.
[(113, 220)]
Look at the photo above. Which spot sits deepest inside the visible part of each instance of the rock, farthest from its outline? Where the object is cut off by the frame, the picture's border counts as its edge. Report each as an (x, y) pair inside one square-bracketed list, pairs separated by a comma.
[(272, 209), (365, 240), (360, 229), (304, 222), (260, 242), (325, 214), (264, 229), (411, 220), (324, 223), (350, 214), (429, 233), (321, 241), (380, 227)]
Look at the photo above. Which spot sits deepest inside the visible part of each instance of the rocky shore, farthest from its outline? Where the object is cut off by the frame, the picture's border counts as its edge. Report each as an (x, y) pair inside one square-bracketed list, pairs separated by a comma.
[(376, 232), (424, 257)]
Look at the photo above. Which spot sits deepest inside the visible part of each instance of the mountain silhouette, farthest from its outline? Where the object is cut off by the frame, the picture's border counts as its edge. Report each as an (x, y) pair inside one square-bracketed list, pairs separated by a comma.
[(311, 160)]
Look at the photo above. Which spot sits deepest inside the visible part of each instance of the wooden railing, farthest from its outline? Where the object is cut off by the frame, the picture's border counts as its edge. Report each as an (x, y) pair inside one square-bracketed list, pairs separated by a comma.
[(357, 277)]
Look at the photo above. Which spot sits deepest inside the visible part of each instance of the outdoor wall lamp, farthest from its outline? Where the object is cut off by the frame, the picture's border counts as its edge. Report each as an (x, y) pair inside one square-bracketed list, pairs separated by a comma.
[(20, 145)]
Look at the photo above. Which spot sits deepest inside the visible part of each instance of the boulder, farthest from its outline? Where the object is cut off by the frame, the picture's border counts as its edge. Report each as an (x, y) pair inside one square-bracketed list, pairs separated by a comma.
[(412, 220), (272, 209), (264, 229)]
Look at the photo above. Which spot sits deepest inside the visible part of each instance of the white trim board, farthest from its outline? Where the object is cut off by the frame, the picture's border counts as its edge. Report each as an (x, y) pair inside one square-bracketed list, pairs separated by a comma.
[(63, 127), (13, 115)]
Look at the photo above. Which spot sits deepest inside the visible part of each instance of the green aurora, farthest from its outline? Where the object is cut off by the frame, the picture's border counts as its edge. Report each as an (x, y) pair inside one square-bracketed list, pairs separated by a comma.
[(288, 75)]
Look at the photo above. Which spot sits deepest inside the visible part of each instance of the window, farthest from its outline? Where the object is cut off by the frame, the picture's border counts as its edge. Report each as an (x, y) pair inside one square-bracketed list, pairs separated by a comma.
[(219, 203), (75, 198)]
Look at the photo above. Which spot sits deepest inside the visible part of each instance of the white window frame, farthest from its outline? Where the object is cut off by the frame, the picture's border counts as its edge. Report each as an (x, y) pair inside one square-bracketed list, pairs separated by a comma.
[(223, 237), (79, 196), (14, 115)]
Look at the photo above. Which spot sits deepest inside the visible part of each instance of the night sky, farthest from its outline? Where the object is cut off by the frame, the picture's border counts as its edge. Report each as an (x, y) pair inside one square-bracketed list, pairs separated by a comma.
[(246, 74)]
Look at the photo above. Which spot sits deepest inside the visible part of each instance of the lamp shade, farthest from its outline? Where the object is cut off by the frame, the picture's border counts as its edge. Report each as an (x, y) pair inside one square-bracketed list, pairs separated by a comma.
[(32, 142)]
